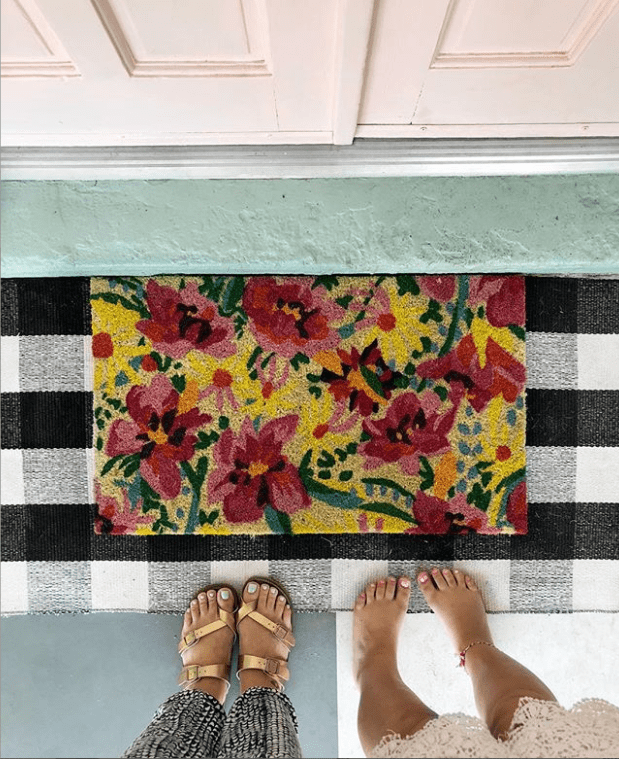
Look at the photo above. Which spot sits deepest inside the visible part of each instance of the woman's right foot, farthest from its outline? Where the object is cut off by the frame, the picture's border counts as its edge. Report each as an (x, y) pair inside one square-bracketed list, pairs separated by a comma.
[(456, 600)]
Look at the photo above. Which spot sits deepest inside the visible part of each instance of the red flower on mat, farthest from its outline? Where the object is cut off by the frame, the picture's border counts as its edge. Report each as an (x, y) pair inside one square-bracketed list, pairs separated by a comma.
[(102, 345), (502, 296), (364, 379), (288, 317), (184, 320), (160, 431), (517, 508), (112, 518), (502, 374), (438, 517), (439, 288), (252, 472), (410, 428)]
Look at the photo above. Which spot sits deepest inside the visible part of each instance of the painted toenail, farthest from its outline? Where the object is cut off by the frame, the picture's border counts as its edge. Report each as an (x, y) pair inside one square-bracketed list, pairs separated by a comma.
[(211, 594), (435, 571), (225, 594), (252, 587), (381, 582), (405, 583), (265, 587), (361, 595), (273, 591), (423, 578)]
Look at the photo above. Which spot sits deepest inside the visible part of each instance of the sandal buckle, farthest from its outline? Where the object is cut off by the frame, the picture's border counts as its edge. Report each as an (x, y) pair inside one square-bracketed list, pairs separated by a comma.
[(272, 667), (191, 673), (280, 632), (190, 639)]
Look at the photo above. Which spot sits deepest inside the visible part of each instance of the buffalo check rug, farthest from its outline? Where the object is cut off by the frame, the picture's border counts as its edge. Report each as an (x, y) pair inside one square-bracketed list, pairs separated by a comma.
[(54, 561)]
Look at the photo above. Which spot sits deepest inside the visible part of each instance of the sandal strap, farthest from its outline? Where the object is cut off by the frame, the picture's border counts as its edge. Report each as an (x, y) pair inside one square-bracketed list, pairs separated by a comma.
[(226, 619), (279, 631), (194, 672), (276, 669)]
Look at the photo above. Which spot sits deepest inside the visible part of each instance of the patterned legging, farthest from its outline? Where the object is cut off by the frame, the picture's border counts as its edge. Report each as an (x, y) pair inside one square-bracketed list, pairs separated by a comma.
[(193, 725)]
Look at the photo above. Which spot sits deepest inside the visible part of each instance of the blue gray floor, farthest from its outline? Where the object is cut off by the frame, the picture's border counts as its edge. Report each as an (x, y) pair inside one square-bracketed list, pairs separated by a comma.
[(86, 685)]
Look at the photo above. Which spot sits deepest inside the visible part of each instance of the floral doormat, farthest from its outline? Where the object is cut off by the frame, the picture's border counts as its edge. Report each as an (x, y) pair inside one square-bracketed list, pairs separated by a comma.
[(296, 404)]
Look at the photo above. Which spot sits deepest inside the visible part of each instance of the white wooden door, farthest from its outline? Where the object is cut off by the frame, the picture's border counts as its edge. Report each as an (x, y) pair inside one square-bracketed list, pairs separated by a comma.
[(492, 68), (109, 72)]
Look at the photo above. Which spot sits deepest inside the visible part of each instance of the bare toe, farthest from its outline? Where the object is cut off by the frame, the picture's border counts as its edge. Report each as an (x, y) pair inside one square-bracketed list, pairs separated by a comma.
[(470, 583), (390, 588), (360, 602), (380, 590), (439, 580), (449, 578)]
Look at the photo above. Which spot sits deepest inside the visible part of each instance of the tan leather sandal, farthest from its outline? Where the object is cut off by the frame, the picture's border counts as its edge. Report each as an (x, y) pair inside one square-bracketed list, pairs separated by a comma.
[(194, 672), (276, 669)]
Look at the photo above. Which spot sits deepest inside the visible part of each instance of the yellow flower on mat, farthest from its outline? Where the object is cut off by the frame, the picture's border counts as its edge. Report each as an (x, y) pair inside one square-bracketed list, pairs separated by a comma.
[(393, 320), (115, 341)]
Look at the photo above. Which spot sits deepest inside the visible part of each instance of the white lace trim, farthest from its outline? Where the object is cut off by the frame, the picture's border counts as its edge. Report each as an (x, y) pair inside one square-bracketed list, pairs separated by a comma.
[(545, 729)]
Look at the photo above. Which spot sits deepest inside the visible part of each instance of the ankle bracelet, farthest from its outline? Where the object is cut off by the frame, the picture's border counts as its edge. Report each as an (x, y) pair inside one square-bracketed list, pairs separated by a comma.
[(462, 654)]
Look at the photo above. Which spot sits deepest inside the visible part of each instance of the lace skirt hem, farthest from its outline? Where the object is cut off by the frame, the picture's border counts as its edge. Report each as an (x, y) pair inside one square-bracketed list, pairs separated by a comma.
[(541, 729)]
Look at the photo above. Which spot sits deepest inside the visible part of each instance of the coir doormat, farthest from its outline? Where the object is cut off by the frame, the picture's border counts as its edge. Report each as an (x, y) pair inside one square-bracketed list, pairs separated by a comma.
[(332, 404)]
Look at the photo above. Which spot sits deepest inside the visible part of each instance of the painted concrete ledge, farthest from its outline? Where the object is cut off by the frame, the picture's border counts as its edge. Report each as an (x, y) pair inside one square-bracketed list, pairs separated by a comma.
[(541, 224)]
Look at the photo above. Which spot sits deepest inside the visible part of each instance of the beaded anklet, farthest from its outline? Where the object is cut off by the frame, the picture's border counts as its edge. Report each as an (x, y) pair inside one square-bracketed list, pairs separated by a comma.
[(462, 654)]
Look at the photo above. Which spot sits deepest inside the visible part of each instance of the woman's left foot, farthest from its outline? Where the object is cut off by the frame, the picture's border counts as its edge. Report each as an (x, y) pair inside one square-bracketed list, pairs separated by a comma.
[(214, 648), (379, 611), (455, 599)]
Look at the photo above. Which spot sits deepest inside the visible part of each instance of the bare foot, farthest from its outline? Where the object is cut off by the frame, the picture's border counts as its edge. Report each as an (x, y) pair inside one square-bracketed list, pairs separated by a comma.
[(256, 640), (378, 615), (215, 648), (456, 600)]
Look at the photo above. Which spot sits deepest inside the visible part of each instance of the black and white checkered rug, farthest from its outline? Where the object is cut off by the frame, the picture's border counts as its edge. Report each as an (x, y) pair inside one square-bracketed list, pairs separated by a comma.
[(53, 562)]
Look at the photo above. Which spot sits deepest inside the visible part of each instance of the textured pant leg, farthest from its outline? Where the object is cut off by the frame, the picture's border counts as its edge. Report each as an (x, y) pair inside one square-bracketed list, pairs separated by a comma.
[(186, 726), (262, 724)]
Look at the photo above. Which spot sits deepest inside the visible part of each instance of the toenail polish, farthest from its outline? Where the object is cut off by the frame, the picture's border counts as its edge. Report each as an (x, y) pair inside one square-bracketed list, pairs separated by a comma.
[(435, 571), (252, 588), (381, 582), (405, 583), (423, 578), (225, 594), (273, 591)]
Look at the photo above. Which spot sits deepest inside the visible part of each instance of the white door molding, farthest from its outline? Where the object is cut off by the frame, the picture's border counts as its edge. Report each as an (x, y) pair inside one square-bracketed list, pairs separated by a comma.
[(364, 158)]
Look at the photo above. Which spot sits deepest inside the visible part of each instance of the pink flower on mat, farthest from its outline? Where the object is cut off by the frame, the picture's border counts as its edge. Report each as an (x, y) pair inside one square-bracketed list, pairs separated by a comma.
[(411, 428), (160, 431), (288, 317), (502, 374), (184, 320), (517, 508), (441, 288), (438, 517), (252, 472), (503, 298), (115, 519)]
